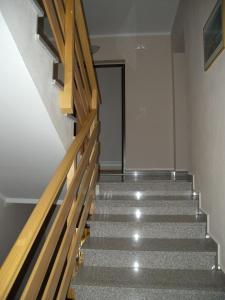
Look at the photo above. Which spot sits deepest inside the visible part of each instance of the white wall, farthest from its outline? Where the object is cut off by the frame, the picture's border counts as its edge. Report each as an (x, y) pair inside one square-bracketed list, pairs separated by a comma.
[(149, 102), (206, 99), (30, 146), (182, 143), (110, 116), (21, 18)]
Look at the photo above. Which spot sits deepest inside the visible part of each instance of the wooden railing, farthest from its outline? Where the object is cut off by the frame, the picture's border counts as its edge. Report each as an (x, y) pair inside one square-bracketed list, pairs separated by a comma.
[(70, 33), (51, 271)]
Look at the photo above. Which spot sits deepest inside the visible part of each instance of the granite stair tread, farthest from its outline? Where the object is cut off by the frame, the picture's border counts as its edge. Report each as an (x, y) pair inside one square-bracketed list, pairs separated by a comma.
[(210, 281), (109, 197), (147, 205), (156, 187), (193, 219), (150, 253), (148, 244)]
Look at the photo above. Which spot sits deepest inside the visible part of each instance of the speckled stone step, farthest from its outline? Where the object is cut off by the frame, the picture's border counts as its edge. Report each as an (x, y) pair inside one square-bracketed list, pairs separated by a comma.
[(146, 176), (148, 205), (147, 226), (99, 283), (150, 253), (163, 187)]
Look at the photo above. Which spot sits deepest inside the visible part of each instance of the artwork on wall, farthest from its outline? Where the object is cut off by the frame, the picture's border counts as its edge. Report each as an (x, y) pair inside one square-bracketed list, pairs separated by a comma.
[(213, 34)]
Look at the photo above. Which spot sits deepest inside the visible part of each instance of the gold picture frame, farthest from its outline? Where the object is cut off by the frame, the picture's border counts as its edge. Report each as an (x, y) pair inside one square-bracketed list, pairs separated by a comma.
[(214, 34)]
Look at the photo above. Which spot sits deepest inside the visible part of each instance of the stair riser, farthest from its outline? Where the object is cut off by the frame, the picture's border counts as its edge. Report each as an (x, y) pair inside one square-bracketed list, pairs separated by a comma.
[(147, 188), (118, 293), (153, 230), (146, 203), (146, 210), (150, 259)]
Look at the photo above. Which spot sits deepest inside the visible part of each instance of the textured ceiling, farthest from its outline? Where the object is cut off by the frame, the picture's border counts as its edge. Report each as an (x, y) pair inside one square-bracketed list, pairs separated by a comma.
[(121, 17)]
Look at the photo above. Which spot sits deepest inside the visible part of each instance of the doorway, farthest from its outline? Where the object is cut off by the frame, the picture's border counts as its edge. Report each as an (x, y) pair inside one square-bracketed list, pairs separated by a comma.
[(111, 79)]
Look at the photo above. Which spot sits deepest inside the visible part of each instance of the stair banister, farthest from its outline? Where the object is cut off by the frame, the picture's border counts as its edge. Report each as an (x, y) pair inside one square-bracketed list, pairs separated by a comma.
[(79, 168)]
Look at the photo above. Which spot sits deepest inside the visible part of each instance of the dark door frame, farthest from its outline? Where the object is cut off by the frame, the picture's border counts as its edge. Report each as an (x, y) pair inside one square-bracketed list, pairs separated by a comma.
[(122, 66)]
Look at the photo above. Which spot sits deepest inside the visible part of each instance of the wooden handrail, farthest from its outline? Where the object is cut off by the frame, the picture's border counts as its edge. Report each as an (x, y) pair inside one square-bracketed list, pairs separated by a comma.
[(81, 160)]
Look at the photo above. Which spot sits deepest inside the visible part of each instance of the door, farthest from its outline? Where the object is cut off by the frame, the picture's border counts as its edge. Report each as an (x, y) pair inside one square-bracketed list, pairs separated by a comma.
[(111, 115)]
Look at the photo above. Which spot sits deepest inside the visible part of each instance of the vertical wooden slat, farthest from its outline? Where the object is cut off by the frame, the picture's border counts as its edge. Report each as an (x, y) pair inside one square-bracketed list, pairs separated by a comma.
[(71, 174), (79, 106), (80, 88), (71, 294), (55, 26), (94, 99), (61, 14), (66, 97), (80, 59), (85, 44)]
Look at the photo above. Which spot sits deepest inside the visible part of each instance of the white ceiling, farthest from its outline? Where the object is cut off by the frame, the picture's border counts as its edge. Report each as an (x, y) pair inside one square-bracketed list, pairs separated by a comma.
[(130, 17)]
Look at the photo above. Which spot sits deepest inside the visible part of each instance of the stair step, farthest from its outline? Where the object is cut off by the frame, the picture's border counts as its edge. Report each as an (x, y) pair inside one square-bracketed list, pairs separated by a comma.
[(150, 253), (146, 176), (148, 210), (139, 197), (148, 226), (99, 283), (164, 187), (149, 205)]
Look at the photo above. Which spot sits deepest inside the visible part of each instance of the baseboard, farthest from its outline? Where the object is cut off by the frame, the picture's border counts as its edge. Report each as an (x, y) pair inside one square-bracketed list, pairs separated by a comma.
[(213, 237), (110, 165)]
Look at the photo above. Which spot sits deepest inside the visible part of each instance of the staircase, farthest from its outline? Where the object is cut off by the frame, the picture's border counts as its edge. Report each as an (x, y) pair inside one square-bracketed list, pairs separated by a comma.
[(148, 241)]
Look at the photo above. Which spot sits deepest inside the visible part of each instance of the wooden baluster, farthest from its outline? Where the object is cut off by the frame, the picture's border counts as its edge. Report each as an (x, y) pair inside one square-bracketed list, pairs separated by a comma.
[(71, 294), (85, 44), (61, 14), (55, 26), (83, 70), (66, 101)]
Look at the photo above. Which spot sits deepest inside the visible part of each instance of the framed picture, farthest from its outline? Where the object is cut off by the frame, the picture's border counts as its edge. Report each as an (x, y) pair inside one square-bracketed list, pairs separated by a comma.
[(214, 34)]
